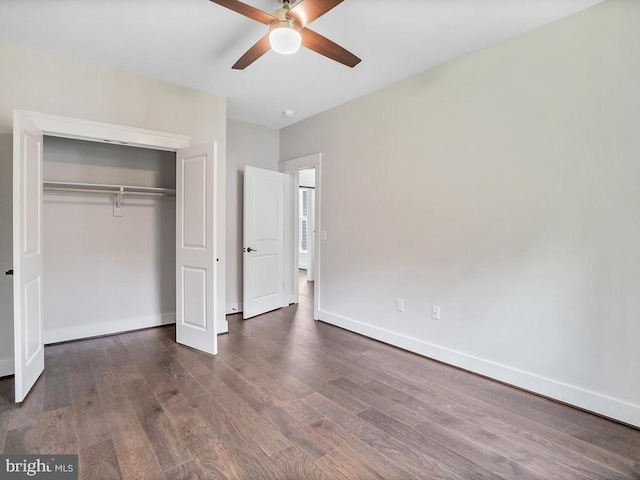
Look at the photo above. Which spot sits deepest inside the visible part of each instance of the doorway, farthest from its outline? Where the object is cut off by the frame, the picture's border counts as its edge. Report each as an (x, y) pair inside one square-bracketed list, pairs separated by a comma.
[(108, 259), (292, 236), (306, 220)]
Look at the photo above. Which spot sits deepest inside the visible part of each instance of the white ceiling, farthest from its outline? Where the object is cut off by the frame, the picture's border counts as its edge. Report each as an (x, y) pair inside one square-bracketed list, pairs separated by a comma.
[(195, 42)]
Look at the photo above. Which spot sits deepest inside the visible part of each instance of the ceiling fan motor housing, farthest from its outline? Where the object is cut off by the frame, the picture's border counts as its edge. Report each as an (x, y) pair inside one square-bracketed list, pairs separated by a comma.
[(284, 33), (281, 15)]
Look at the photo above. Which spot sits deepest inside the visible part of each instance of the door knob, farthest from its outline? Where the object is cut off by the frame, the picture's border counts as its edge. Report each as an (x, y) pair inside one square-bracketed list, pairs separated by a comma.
[(249, 249), (9, 272)]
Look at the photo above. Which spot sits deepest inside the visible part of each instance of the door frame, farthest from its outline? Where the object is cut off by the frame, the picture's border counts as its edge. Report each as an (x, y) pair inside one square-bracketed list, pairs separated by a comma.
[(80, 129), (93, 131), (291, 260)]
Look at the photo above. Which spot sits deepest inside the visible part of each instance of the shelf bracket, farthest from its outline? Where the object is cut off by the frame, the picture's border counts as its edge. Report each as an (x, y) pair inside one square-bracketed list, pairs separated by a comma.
[(117, 203)]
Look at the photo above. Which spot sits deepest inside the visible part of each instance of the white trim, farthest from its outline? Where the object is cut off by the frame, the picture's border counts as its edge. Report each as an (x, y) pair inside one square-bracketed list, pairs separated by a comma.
[(57, 126), (115, 325), (6, 367), (300, 163), (592, 401)]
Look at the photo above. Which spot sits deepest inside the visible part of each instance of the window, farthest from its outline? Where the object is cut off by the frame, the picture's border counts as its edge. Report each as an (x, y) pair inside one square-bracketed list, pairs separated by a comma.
[(304, 220)]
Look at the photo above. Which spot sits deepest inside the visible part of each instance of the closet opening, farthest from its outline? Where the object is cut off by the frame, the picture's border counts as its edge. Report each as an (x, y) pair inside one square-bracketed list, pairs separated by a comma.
[(198, 272)]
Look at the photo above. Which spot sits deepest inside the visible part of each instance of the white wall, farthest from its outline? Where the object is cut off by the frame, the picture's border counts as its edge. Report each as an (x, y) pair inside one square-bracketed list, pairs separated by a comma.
[(46, 83), (502, 187), (307, 178), (247, 144), (105, 274)]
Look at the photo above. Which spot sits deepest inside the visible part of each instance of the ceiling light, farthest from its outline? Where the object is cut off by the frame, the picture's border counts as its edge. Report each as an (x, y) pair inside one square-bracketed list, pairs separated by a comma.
[(288, 113), (284, 37)]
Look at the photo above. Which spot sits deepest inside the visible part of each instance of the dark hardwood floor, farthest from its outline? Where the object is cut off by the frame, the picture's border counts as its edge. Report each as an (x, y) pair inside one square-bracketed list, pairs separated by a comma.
[(290, 398)]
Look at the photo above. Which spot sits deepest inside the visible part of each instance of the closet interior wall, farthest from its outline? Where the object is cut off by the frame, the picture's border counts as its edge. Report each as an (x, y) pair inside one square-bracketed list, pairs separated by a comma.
[(106, 273), (6, 254)]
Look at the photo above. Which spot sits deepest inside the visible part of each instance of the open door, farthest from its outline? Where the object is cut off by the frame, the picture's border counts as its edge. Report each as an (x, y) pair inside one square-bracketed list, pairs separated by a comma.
[(263, 258), (27, 254), (196, 269)]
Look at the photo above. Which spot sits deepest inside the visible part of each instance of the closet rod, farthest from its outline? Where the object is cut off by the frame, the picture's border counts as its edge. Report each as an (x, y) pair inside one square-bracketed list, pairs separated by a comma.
[(106, 189), (80, 191)]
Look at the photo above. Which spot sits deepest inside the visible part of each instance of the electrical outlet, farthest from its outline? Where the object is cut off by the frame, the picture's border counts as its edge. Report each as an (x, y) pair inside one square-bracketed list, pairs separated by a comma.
[(399, 305), (435, 312)]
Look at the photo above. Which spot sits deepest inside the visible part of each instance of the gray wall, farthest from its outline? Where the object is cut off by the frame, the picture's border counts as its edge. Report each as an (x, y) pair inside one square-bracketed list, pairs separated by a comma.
[(502, 187), (6, 255), (247, 144)]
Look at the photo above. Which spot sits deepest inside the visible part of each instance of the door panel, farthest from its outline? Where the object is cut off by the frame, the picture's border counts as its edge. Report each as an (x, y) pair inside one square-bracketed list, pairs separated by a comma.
[(194, 179), (263, 268), (27, 254), (32, 319), (194, 281), (196, 269), (263, 265)]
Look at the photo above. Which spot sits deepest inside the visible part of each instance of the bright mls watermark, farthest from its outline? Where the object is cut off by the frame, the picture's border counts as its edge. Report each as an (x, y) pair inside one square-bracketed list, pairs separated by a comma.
[(52, 467)]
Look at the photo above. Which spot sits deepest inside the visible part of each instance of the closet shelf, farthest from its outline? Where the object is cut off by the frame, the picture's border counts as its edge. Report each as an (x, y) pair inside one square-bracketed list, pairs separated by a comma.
[(105, 189)]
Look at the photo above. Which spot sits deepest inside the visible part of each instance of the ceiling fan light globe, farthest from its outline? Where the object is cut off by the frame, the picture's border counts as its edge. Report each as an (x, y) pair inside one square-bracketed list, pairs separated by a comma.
[(284, 37)]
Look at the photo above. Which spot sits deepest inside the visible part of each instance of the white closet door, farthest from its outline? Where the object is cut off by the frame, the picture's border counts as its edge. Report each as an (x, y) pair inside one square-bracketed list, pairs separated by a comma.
[(27, 254), (195, 247), (263, 258)]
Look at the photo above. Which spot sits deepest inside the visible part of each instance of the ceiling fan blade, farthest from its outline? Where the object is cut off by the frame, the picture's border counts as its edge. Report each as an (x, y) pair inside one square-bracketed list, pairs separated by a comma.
[(261, 47), (247, 11), (307, 11), (322, 45)]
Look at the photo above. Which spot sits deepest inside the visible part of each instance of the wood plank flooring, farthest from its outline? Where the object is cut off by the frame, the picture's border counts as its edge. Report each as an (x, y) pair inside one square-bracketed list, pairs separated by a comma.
[(290, 398)]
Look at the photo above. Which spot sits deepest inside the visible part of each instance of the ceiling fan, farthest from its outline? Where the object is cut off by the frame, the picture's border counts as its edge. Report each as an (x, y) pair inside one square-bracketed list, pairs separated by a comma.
[(288, 30)]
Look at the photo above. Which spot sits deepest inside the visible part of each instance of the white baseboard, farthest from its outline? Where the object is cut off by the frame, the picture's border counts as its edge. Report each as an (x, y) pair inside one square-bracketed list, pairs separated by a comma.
[(107, 328), (6, 367), (232, 308), (601, 404)]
